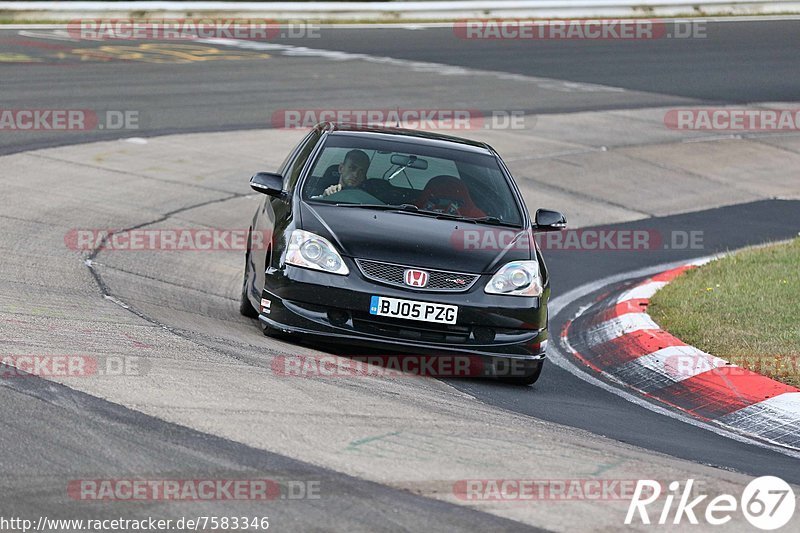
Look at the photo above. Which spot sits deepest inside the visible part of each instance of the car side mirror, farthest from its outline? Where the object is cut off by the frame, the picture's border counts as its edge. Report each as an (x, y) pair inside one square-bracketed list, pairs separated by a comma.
[(547, 220), (268, 183)]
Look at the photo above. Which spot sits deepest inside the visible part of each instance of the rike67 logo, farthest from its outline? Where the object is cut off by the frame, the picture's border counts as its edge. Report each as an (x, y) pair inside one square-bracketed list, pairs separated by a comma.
[(767, 503)]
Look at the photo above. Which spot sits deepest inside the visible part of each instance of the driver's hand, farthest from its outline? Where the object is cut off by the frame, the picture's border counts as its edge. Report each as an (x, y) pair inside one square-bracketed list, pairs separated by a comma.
[(332, 189)]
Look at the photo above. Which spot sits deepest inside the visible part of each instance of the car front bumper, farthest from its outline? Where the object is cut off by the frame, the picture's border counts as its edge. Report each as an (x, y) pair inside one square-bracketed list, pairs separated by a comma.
[(336, 308)]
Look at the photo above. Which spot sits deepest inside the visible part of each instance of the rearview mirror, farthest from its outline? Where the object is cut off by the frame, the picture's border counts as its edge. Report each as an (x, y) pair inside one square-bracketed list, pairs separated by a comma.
[(409, 161), (547, 220), (268, 183)]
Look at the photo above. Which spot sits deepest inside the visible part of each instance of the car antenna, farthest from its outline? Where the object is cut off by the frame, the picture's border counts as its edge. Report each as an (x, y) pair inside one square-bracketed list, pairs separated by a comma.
[(397, 120)]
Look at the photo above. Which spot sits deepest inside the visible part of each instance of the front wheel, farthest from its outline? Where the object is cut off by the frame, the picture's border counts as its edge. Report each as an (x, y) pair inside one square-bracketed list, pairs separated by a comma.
[(529, 376), (245, 307), (273, 333)]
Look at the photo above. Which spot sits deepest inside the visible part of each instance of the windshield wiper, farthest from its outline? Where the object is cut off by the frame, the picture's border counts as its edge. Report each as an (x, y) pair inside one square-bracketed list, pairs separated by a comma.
[(411, 208), (494, 221), (437, 214), (385, 207)]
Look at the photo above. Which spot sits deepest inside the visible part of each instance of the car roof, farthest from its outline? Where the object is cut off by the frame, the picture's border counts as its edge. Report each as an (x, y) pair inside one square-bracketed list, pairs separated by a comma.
[(419, 136)]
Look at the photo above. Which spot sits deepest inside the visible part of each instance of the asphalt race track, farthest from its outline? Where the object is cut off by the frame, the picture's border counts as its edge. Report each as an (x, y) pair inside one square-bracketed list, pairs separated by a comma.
[(735, 63), (227, 420), (612, 416)]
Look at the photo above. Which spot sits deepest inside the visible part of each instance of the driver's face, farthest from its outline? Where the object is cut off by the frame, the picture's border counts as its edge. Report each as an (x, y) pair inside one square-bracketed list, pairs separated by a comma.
[(350, 174)]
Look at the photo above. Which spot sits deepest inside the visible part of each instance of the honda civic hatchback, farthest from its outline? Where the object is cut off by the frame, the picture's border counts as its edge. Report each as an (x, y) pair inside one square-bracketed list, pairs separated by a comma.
[(401, 240)]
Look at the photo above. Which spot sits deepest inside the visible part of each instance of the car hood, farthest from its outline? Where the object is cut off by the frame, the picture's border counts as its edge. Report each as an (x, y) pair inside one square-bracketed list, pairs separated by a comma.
[(415, 240)]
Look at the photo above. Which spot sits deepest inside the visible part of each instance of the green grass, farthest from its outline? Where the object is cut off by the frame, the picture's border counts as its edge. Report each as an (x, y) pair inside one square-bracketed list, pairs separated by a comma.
[(744, 308)]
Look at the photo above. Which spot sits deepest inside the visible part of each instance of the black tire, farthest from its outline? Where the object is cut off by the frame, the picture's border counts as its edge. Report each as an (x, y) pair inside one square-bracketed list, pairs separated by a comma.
[(532, 374), (245, 307), (272, 332)]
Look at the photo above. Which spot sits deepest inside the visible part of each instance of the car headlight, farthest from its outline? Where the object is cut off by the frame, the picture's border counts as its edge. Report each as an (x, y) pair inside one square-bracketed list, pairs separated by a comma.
[(518, 278), (309, 250)]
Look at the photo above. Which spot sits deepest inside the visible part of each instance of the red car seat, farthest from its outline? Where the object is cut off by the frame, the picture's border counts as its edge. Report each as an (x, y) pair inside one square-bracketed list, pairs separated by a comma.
[(448, 194)]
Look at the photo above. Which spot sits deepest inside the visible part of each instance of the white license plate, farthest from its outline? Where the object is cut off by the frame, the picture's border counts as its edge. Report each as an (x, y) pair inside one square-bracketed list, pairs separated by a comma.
[(413, 310)]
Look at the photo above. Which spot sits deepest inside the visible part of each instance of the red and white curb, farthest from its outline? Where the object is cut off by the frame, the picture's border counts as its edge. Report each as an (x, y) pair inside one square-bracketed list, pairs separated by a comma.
[(617, 338)]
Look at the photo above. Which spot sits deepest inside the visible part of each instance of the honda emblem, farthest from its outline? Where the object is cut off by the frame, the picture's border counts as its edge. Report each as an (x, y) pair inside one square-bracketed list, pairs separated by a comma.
[(416, 278)]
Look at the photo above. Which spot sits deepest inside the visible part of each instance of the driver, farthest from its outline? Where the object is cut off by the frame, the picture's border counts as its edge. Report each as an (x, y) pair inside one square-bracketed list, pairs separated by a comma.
[(352, 172)]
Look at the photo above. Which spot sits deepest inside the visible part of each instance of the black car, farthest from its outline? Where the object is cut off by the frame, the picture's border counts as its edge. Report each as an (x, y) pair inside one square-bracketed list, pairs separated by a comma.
[(402, 240)]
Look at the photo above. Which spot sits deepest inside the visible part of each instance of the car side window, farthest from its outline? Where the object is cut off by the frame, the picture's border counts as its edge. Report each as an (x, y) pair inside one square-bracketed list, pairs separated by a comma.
[(291, 175)]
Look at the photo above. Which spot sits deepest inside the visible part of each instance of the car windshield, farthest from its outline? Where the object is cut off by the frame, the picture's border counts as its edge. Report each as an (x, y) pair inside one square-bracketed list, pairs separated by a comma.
[(356, 171)]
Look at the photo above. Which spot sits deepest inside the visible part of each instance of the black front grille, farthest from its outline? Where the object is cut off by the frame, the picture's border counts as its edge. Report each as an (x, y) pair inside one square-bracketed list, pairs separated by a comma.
[(438, 280), (417, 331)]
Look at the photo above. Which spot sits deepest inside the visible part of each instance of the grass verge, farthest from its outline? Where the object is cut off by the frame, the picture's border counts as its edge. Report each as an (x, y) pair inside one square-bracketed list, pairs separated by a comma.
[(744, 308)]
